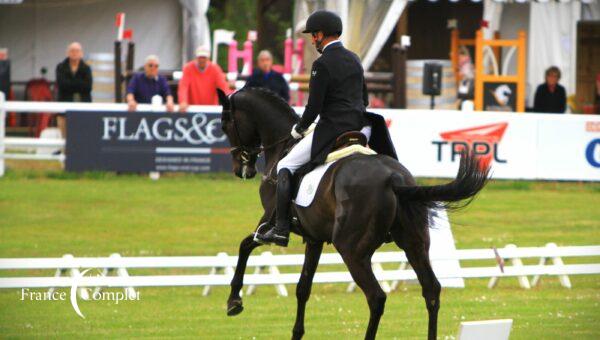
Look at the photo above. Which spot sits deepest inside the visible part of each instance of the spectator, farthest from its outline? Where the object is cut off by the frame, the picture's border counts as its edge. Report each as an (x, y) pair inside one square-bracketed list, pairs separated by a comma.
[(200, 80), (550, 97), (266, 77), (145, 85), (74, 76), (74, 80)]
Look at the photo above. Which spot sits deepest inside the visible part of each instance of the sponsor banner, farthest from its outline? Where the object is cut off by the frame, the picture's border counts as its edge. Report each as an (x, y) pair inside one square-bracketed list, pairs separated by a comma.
[(518, 146), (144, 142)]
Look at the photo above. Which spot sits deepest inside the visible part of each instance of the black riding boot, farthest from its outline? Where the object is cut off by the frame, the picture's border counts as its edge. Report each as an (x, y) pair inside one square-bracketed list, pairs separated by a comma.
[(280, 234)]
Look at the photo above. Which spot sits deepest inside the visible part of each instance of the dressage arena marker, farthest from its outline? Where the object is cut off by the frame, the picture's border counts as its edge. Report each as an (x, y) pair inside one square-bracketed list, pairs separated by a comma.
[(74, 267), (488, 329)]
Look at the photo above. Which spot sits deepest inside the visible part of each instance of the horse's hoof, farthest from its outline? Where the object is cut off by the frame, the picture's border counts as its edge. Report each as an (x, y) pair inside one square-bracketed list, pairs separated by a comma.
[(234, 307)]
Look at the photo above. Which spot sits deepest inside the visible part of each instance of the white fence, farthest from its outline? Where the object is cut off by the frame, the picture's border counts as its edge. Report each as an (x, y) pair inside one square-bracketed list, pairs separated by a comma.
[(267, 269)]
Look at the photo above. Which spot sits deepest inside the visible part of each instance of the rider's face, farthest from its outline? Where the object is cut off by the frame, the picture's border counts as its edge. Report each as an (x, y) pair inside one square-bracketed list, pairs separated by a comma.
[(318, 36)]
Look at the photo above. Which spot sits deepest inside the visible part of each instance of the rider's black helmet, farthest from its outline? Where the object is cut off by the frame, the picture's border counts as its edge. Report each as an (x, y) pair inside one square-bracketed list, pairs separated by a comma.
[(327, 22)]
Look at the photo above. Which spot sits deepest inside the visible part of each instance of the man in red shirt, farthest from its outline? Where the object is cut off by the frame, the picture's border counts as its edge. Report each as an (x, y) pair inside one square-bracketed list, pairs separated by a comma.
[(200, 81)]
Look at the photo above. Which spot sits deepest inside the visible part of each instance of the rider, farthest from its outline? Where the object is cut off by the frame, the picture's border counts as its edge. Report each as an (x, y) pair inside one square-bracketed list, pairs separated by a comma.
[(337, 93)]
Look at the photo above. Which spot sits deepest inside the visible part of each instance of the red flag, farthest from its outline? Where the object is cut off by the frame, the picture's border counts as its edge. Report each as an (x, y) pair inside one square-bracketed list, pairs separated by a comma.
[(128, 34)]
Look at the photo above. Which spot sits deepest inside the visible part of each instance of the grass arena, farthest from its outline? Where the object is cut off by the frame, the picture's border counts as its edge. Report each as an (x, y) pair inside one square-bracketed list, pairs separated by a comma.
[(307, 169), (45, 212)]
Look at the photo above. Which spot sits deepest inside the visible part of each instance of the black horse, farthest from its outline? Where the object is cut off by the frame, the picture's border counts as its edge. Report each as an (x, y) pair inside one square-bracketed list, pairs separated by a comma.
[(360, 201)]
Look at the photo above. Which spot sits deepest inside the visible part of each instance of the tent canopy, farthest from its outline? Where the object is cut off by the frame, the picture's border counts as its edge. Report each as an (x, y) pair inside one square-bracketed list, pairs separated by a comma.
[(37, 32)]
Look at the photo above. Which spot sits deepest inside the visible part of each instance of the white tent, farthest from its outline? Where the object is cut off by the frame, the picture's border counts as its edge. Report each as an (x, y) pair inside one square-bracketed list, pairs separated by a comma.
[(36, 32)]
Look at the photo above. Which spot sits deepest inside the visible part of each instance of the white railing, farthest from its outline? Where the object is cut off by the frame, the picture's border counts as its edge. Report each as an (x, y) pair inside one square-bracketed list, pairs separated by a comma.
[(267, 269)]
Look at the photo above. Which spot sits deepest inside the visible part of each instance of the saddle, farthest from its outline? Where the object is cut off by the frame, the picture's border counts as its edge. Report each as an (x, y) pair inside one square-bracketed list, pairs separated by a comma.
[(350, 138)]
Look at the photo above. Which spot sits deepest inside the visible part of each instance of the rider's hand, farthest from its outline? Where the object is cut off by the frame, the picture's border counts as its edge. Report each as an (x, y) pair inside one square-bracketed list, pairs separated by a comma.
[(295, 133)]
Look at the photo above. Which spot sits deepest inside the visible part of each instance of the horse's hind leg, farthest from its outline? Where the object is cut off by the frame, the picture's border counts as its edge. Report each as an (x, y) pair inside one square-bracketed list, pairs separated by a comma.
[(419, 260), (413, 237), (234, 302), (311, 261), (362, 273)]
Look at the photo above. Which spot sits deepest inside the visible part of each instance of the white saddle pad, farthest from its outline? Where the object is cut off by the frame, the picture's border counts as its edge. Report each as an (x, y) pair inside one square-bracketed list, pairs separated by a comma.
[(310, 182), (309, 185)]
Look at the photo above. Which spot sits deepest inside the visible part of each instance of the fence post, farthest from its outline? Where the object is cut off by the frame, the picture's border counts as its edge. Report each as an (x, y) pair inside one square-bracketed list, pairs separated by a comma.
[(516, 262), (557, 261), (157, 103), (273, 270), (228, 270), (75, 274), (2, 131)]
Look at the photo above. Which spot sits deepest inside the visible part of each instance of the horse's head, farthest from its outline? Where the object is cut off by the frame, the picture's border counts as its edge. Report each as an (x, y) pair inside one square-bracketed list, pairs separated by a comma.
[(243, 137)]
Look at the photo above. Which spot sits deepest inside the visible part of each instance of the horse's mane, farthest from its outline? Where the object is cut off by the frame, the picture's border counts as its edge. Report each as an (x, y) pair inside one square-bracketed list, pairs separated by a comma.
[(270, 97)]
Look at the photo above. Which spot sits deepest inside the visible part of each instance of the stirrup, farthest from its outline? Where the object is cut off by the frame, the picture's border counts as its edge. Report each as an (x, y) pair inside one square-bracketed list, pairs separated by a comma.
[(279, 240), (259, 231)]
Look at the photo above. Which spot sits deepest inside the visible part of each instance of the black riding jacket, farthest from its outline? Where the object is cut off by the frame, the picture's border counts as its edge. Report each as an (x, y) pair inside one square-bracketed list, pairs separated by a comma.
[(337, 93)]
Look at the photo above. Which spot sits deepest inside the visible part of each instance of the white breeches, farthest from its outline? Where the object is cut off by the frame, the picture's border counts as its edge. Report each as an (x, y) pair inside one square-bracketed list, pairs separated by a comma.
[(300, 154)]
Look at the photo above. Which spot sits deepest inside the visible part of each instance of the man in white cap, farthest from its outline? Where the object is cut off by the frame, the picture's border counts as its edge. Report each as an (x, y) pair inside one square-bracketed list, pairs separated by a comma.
[(200, 81)]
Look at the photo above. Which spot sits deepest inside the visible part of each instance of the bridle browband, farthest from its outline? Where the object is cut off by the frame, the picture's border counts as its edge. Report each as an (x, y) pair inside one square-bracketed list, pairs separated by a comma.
[(247, 153)]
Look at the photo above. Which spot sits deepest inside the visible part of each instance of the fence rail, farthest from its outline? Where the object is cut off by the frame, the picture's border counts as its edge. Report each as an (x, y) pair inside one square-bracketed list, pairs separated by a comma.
[(267, 269)]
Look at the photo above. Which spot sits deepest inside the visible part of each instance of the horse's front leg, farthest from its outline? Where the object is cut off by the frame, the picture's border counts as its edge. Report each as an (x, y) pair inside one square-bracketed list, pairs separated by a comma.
[(234, 302), (311, 261)]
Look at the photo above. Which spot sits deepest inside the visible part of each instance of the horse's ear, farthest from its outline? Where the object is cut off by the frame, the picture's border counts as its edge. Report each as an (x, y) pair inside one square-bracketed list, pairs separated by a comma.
[(223, 100)]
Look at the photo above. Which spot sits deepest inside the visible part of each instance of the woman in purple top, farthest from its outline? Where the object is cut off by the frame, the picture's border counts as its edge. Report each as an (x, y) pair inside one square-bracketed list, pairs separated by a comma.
[(145, 85)]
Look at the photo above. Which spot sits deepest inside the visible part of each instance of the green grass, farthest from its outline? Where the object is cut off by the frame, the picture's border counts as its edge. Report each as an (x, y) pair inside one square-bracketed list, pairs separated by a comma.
[(50, 213)]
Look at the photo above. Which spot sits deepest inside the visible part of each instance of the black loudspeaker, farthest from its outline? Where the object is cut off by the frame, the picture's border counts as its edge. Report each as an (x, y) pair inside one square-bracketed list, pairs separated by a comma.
[(432, 79), (5, 76)]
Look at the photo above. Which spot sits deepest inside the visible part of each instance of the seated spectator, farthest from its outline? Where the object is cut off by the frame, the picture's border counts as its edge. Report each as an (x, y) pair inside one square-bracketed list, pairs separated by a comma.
[(200, 80), (550, 97), (266, 77), (145, 85), (74, 80)]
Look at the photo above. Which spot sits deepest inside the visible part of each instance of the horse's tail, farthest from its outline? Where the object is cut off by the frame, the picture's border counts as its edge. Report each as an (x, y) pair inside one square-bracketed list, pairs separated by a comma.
[(471, 178)]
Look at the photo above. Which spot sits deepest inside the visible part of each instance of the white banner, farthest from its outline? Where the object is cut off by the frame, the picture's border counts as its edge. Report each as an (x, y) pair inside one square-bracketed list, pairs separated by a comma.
[(519, 146)]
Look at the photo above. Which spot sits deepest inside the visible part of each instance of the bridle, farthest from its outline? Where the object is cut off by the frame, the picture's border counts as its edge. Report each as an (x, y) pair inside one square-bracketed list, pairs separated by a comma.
[(247, 153)]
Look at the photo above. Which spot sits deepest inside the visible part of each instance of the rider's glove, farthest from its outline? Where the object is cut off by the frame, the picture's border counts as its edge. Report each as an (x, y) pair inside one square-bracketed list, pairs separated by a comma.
[(295, 133)]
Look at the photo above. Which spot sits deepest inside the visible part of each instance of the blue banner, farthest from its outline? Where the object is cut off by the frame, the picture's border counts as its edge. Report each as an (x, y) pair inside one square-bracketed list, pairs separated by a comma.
[(146, 141)]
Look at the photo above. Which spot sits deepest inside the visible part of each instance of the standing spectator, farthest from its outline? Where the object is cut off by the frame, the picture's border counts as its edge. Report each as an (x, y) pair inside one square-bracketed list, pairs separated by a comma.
[(74, 76), (266, 77), (550, 97), (200, 80), (74, 80), (145, 85)]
